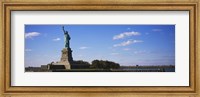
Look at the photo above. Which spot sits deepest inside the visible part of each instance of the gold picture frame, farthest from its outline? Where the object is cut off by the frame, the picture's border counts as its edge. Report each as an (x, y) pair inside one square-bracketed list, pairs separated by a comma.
[(120, 5)]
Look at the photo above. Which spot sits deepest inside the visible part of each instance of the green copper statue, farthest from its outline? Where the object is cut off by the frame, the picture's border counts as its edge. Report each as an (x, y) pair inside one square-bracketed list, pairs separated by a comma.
[(67, 38)]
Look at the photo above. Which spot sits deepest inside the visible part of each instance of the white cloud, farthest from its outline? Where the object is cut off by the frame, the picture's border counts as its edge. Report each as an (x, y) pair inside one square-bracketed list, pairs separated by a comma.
[(83, 47), (156, 30), (126, 49), (80, 55), (56, 39), (125, 34), (28, 50), (114, 54), (140, 52), (31, 34), (125, 43)]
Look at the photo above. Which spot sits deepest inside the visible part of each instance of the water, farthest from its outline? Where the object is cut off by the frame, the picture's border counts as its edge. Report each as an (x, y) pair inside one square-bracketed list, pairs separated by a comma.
[(167, 69)]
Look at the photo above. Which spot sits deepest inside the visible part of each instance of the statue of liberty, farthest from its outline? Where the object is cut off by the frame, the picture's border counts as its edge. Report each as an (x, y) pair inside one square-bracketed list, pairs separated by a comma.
[(66, 38)]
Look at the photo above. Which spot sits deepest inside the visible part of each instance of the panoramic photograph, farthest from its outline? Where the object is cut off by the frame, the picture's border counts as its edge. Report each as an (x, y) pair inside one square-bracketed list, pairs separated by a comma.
[(99, 48)]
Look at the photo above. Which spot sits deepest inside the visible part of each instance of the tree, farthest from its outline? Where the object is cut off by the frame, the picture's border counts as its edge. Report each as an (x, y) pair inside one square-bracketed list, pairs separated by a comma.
[(96, 64), (101, 64), (81, 62)]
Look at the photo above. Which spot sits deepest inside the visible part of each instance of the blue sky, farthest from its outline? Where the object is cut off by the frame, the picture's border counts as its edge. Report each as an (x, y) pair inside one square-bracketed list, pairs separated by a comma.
[(124, 44)]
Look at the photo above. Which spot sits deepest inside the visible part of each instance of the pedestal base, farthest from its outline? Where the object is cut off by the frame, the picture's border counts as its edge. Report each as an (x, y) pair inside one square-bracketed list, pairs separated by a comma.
[(65, 64), (65, 61)]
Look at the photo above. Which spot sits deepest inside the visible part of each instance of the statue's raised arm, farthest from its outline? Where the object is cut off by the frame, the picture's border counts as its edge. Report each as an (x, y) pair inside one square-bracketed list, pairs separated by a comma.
[(63, 29)]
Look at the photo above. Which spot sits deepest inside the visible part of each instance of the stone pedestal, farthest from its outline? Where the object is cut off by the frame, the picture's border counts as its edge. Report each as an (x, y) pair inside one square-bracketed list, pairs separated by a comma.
[(65, 60), (66, 55)]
